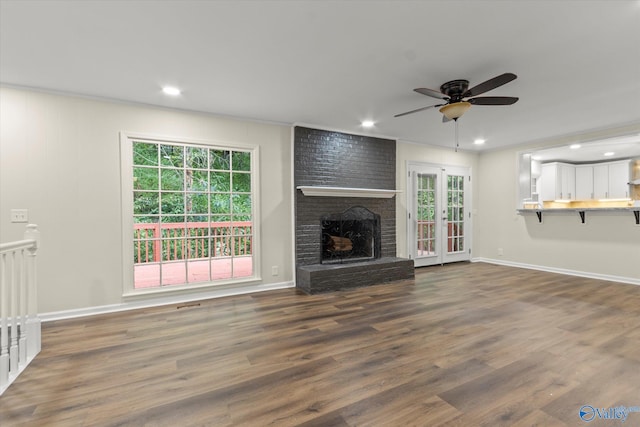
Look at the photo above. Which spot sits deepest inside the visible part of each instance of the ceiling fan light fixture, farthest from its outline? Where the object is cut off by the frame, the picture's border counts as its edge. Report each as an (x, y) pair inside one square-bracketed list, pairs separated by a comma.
[(455, 110)]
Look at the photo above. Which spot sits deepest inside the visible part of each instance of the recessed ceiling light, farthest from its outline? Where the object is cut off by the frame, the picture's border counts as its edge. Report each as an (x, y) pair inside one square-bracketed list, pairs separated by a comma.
[(170, 90), (575, 146), (367, 123), (609, 153), (479, 141)]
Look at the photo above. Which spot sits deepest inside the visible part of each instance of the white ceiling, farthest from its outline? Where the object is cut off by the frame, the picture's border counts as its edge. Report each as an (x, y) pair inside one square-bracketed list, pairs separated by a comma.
[(332, 64)]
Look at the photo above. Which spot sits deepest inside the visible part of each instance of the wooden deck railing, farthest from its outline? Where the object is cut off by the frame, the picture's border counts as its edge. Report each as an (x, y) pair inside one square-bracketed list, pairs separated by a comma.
[(426, 236), (154, 242), (19, 322)]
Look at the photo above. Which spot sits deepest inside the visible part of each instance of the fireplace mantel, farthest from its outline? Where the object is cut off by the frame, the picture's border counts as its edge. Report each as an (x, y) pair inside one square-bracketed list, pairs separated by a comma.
[(346, 192)]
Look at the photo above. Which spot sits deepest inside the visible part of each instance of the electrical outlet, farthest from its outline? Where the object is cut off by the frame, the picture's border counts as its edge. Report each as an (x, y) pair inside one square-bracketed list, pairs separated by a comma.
[(274, 270), (500, 252), (19, 215)]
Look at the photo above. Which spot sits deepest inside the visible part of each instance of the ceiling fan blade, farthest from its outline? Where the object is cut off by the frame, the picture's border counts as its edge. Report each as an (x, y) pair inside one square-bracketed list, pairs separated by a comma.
[(432, 93), (490, 84), (418, 109), (493, 100)]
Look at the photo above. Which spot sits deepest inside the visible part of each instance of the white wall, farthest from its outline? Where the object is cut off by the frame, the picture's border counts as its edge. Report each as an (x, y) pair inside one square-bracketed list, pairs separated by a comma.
[(60, 159), (607, 245)]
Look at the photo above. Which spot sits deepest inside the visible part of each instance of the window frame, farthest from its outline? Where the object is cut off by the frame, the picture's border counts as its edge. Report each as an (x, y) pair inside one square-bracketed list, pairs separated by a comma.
[(127, 190)]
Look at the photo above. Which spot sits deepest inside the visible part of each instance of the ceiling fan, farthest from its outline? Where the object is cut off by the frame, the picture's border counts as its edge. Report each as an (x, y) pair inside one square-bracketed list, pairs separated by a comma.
[(459, 98)]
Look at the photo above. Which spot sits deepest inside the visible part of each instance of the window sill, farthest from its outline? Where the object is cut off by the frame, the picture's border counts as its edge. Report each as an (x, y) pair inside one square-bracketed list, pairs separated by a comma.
[(186, 289)]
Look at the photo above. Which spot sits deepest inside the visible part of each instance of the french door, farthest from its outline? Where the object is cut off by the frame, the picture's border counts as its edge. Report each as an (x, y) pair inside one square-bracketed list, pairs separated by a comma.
[(439, 224)]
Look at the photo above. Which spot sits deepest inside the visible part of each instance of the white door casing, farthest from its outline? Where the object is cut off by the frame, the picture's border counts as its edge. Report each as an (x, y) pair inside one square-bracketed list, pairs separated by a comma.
[(438, 217)]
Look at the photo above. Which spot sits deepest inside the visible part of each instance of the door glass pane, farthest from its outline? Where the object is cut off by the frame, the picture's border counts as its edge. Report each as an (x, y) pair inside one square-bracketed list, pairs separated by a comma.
[(455, 213), (425, 211)]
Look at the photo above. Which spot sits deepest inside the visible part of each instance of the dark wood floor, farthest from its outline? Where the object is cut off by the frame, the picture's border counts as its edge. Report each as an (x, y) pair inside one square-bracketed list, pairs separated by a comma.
[(462, 345)]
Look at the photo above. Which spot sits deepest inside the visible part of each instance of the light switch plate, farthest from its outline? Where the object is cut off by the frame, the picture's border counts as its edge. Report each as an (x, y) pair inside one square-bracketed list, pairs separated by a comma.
[(19, 215)]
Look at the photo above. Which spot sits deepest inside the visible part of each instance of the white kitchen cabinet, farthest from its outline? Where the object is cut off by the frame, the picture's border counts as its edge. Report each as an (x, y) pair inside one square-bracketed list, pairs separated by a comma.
[(600, 181), (611, 180), (563, 181), (584, 182), (558, 181), (547, 185), (619, 179)]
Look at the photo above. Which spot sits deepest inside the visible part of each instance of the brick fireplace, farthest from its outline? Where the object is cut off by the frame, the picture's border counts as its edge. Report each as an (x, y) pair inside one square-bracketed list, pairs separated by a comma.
[(345, 211)]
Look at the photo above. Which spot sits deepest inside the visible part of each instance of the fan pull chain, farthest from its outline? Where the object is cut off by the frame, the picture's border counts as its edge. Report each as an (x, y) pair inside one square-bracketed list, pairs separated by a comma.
[(457, 142)]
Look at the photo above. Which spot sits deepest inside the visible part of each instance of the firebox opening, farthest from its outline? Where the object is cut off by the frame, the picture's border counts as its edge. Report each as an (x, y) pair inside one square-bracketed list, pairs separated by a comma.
[(353, 235)]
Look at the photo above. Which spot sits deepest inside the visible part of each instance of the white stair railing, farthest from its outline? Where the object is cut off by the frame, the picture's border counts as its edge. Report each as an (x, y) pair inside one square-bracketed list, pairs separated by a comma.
[(19, 322)]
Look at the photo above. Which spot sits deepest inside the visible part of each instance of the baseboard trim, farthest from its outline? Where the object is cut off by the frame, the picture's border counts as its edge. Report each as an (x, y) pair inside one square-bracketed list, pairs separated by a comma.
[(589, 275), (159, 301)]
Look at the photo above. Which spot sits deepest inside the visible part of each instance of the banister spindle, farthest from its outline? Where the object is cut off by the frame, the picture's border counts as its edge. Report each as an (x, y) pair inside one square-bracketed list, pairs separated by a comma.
[(4, 324), (13, 315)]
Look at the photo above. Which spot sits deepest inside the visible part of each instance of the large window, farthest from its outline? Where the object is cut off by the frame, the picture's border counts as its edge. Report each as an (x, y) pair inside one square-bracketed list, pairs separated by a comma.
[(191, 212)]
